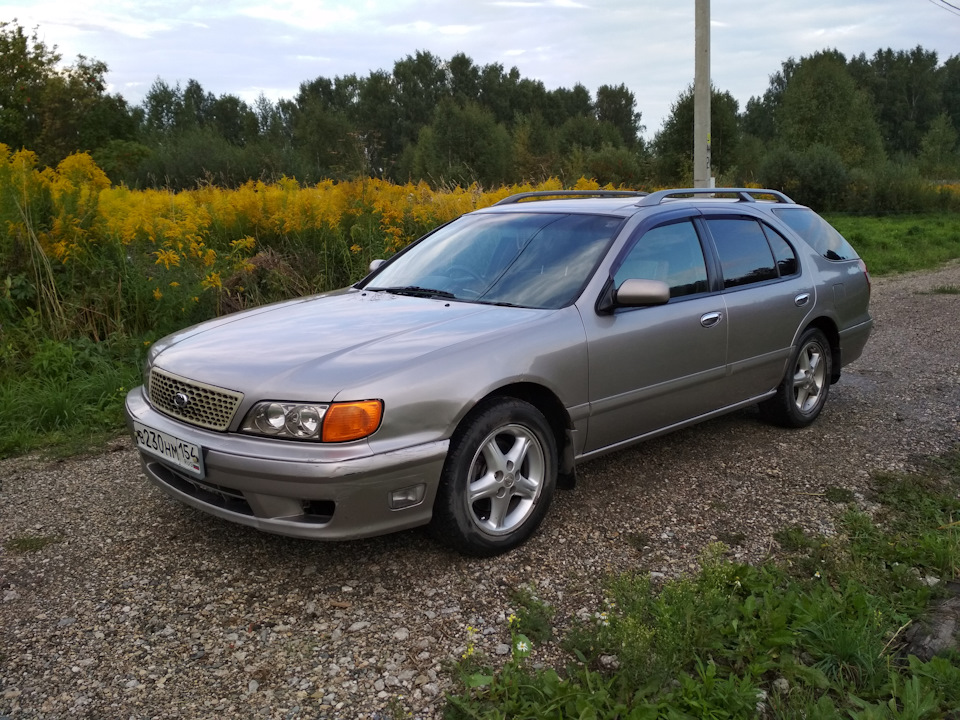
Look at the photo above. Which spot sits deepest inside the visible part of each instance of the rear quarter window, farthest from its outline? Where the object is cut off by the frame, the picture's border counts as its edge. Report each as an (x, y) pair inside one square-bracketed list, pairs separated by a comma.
[(817, 232)]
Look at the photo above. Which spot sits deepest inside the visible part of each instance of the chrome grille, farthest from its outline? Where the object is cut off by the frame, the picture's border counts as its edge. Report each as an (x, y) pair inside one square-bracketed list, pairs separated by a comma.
[(191, 401)]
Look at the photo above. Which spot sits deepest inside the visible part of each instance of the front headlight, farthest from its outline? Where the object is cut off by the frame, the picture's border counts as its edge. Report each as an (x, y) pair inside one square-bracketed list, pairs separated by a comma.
[(334, 422)]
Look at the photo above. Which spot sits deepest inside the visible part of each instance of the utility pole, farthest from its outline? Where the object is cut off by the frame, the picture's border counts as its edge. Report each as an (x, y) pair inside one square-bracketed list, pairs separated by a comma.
[(701, 98)]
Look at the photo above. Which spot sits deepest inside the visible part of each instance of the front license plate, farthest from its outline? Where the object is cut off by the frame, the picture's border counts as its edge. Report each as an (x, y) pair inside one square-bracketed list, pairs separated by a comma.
[(183, 454)]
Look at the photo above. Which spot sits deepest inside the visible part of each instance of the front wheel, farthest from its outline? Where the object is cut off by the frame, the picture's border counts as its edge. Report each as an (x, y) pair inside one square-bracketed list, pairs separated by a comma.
[(803, 391), (498, 479)]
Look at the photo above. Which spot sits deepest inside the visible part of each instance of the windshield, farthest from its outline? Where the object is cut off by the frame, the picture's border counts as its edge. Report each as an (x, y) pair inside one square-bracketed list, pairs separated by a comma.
[(540, 260)]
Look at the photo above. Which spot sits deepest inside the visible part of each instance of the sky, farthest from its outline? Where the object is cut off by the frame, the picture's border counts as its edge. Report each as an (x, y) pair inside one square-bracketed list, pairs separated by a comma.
[(249, 47)]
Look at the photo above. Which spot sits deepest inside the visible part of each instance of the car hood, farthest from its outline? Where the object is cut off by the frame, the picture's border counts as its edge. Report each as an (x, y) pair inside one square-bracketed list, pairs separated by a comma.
[(313, 349)]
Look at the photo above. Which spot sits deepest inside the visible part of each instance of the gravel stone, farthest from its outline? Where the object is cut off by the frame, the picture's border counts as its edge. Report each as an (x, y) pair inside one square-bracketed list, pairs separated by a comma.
[(145, 608)]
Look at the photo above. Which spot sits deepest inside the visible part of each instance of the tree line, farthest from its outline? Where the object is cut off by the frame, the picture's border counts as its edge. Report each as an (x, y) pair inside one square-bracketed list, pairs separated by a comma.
[(825, 127)]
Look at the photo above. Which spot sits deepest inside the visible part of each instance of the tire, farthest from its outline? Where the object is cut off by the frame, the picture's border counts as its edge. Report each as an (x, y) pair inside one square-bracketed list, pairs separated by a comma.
[(806, 384), (498, 480)]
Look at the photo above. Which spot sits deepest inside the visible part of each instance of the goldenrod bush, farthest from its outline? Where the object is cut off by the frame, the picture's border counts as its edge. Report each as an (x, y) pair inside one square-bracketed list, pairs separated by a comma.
[(83, 256)]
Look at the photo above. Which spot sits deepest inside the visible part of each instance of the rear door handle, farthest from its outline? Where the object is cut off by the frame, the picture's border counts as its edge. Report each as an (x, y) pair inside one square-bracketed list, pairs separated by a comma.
[(710, 319), (801, 299)]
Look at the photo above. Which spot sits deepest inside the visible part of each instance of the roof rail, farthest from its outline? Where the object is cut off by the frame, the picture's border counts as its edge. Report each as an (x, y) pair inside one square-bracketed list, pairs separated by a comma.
[(742, 195), (520, 197)]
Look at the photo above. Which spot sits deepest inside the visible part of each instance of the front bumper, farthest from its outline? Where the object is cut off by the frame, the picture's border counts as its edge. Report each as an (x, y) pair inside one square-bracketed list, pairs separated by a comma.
[(333, 492)]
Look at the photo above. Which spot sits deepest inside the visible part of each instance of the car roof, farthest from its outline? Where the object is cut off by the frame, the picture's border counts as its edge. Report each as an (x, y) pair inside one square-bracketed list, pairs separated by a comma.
[(605, 206), (627, 203)]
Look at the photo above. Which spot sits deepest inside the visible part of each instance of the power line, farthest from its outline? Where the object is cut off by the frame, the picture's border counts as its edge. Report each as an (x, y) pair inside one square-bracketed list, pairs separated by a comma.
[(948, 6)]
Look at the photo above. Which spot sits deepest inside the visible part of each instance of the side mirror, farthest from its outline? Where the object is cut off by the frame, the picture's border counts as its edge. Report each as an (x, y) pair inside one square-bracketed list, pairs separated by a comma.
[(374, 264), (635, 292)]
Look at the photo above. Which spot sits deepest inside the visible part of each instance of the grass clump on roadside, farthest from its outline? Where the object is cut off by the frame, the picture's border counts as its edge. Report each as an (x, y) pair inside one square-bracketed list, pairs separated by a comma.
[(533, 617), (817, 632), (29, 543), (63, 396)]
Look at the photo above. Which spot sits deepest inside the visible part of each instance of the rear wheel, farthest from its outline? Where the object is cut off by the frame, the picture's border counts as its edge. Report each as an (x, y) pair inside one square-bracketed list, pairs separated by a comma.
[(498, 480), (806, 384)]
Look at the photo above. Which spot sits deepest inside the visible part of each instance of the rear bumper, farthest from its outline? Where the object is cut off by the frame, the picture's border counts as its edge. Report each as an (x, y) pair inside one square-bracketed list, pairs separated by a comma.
[(853, 340), (289, 488)]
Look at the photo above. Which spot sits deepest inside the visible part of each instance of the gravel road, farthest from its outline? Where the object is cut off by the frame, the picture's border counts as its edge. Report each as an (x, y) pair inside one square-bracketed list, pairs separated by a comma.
[(143, 608)]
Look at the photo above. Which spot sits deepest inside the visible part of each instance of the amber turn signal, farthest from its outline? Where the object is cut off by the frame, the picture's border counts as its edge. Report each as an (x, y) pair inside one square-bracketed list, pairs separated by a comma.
[(352, 420)]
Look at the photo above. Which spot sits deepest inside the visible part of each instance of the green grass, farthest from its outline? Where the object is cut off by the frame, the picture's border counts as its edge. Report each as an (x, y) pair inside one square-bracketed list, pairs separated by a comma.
[(63, 397), (838, 495), (901, 243), (29, 543), (815, 633)]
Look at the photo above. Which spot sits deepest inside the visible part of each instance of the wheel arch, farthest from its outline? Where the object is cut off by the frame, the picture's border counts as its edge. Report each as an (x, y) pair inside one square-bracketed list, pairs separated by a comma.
[(557, 417), (829, 328)]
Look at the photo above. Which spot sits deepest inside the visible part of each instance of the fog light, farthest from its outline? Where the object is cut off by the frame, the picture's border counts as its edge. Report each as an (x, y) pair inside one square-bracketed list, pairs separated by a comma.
[(408, 496)]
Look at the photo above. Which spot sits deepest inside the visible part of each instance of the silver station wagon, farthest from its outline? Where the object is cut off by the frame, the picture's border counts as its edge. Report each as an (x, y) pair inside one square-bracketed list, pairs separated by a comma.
[(465, 378)]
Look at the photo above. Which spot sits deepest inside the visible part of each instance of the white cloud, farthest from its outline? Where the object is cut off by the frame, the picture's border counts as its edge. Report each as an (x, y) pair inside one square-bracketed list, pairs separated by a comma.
[(303, 14)]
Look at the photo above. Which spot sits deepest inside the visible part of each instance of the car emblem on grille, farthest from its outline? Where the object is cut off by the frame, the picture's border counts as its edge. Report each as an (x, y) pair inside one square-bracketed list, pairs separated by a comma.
[(181, 400)]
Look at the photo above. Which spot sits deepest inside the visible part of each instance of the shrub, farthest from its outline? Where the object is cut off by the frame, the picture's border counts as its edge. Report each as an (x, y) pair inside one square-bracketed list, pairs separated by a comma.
[(816, 177)]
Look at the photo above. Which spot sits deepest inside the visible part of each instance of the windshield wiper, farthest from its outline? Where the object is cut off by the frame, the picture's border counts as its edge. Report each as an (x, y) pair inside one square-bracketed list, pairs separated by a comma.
[(416, 291), (499, 303)]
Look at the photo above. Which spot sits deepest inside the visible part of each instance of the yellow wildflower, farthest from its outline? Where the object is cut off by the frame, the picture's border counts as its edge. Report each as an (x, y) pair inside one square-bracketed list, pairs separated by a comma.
[(212, 281), (167, 257)]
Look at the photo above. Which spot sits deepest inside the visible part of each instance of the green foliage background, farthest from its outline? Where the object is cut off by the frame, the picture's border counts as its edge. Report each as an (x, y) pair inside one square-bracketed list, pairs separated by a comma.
[(854, 120)]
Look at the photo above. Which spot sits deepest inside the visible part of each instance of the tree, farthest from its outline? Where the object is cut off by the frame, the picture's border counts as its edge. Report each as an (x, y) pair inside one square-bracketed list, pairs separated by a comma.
[(619, 166), (234, 120), (463, 145), (950, 89), (534, 148), (905, 88), (55, 110), (162, 107), (939, 158), (326, 140), (377, 122), (463, 78), (421, 82), (760, 115), (821, 105), (587, 133), (75, 113), (617, 106), (196, 107), (26, 64), (498, 91), (570, 103), (673, 145)]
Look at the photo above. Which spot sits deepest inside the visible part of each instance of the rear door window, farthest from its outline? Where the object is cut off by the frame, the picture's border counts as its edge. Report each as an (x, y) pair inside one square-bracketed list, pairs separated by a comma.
[(783, 253), (745, 255)]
